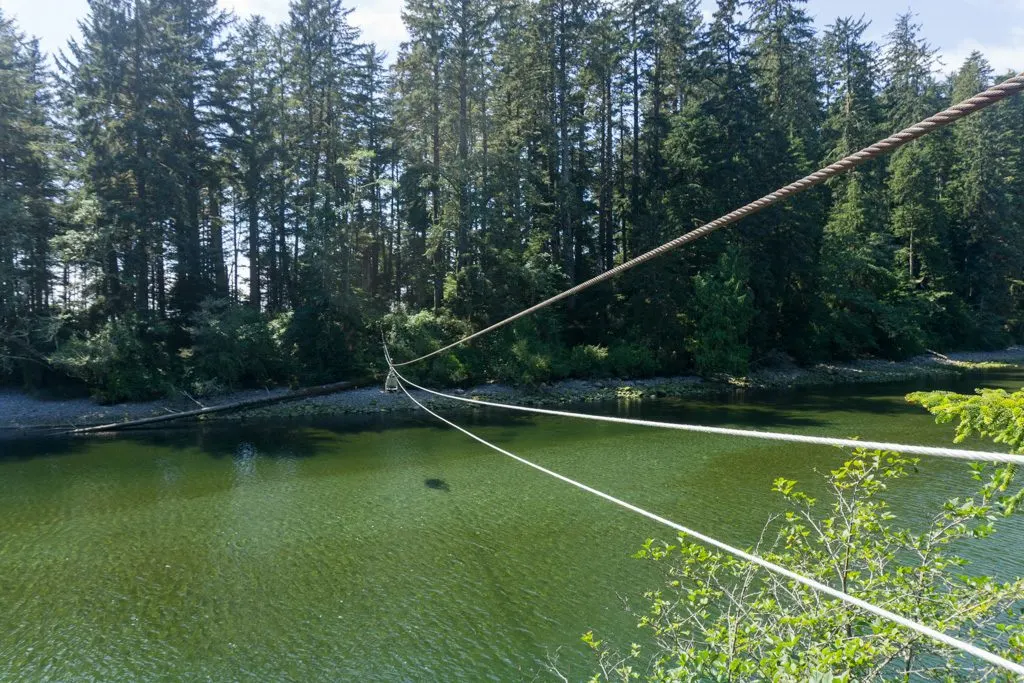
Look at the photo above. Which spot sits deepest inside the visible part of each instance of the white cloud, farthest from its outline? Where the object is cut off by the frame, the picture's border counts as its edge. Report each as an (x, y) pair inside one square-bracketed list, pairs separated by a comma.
[(1003, 57), (52, 21), (274, 11), (381, 23)]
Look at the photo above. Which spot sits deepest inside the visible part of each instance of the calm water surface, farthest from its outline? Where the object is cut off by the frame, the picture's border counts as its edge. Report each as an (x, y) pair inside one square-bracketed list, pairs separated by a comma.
[(316, 551)]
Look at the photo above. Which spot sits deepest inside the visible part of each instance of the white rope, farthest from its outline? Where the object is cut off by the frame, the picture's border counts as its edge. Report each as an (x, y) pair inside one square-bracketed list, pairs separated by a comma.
[(939, 636), (958, 453)]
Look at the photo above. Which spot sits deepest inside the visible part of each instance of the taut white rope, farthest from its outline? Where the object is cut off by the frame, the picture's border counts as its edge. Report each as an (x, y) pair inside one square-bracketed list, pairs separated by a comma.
[(939, 636), (958, 453)]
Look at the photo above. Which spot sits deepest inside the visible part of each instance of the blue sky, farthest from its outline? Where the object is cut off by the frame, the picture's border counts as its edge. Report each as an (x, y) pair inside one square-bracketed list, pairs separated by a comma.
[(955, 27)]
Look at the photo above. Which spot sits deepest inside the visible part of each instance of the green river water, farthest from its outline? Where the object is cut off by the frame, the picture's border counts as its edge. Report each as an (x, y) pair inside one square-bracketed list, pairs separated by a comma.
[(315, 551)]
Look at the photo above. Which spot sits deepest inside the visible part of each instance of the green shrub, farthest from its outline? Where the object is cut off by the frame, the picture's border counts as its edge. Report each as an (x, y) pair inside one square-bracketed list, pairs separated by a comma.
[(526, 362), (725, 308), (411, 336), (327, 341), (125, 360), (588, 361), (631, 361), (232, 346), (719, 618), (529, 353)]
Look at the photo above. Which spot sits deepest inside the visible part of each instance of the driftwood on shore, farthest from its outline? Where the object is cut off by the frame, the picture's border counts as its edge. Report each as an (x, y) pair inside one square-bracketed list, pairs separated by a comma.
[(308, 392)]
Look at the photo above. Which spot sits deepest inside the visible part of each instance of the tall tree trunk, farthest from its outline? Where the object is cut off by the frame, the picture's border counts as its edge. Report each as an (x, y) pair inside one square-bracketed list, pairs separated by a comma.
[(564, 165), (435, 187), (161, 283), (605, 224), (462, 154), (634, 184), (216, 248), (396, 250), (254, 243)]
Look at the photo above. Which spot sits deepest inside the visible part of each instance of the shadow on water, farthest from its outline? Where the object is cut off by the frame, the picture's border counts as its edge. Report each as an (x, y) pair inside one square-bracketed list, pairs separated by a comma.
[(303, 437), (881, 397), (703, 412), (19, 447), (875, 398), (227, 441), (283, 438)]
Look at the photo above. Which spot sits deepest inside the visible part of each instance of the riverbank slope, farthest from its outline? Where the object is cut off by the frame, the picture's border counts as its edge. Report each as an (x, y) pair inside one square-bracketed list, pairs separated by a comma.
[(21, 411)]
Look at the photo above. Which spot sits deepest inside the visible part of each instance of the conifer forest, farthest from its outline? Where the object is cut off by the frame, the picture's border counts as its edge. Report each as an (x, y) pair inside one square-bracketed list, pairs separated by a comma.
[(195, 201)]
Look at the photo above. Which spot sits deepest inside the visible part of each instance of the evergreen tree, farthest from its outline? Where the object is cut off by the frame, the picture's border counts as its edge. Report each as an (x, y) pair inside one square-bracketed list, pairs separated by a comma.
[(419, 118), (916, 219), (708, 149), (725, 311), (110, 95), (850, 73), (187, 49), (27, 183), (787, 83), (857, 281), (323, 56), (249, 104), (856, 251), (514, 251), (192, 164), (1011, 132), (978, 202), (371, 166)]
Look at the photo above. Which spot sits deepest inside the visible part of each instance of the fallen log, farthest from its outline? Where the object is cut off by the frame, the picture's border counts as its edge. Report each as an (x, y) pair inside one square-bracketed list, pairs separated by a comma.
[(309, 392)]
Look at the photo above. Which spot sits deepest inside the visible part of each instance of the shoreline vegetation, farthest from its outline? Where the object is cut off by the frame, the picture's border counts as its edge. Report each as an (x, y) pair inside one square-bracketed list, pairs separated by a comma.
[(196, 202), (20, 412)]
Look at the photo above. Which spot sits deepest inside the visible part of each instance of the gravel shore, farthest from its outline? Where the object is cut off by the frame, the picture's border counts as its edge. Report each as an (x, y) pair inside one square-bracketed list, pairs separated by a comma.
[(21, 411)]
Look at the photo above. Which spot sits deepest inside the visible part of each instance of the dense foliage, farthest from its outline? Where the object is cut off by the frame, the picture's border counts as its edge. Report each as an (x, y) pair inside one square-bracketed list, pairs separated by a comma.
[(253, 201), (721, 619)]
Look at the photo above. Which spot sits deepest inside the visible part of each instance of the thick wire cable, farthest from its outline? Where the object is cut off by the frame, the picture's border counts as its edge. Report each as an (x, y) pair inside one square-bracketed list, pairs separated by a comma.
[(927, 631), (984, 99), (940, 452)]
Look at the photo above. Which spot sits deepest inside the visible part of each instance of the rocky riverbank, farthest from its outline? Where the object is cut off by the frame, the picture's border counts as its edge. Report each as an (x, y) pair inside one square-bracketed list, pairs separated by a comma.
[(573, 391), (19, 411)]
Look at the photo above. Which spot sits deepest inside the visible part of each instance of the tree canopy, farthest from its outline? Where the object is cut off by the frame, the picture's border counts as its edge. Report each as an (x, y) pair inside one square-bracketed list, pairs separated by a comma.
[(179, 164)]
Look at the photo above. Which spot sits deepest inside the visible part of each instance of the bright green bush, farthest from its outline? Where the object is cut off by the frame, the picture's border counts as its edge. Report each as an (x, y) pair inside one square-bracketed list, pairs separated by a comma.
[(125, 360), (631, 361), (725, 311), (529, 353), (718, 618), (411, 336), (526, 353), (588, 361), (990, 414), (526, 362), (327, 341), (232, 346)]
